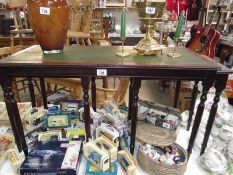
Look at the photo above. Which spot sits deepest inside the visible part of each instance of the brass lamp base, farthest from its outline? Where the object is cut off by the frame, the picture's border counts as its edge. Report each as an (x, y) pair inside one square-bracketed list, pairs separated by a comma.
[(174, 55), (122, 54), (148, 47)]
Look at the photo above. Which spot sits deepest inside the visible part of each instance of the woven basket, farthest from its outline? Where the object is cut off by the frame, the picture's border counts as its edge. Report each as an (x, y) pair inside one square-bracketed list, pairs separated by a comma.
[(153, 167), (165, 109), (154, 135)]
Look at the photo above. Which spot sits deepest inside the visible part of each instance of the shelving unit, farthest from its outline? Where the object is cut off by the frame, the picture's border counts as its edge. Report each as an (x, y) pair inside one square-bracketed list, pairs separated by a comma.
[(98, 15), (225, 14)]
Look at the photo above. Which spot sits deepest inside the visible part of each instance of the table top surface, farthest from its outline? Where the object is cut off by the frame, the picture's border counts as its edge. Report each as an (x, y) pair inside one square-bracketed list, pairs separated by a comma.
[(74, 56)]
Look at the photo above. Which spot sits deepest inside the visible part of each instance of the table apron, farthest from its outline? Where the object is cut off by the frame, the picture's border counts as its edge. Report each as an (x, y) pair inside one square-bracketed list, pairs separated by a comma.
[(155, 73)]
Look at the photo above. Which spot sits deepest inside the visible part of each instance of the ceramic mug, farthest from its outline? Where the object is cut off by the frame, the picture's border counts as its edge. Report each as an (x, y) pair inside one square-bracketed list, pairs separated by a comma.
[(213, 160), (226, 133), (231, 120), (221, 119), (230, 149)]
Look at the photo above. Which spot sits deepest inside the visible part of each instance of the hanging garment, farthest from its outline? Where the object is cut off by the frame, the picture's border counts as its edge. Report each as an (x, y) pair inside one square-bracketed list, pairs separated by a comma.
[(171, 5), (193, 9), (182, 6)]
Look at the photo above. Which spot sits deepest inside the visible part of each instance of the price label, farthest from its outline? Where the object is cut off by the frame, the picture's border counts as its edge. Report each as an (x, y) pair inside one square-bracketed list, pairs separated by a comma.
[(3, 130), (166, 125), (44, 11), (150, 10), (102, 72)]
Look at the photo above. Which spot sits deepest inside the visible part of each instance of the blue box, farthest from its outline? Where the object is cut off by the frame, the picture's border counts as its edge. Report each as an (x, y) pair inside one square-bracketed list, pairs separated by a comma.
[(53, 157), (93, 170)]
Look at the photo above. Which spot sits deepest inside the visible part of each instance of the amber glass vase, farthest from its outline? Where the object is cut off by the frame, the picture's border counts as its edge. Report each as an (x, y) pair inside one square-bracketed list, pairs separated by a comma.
[(49, 20)]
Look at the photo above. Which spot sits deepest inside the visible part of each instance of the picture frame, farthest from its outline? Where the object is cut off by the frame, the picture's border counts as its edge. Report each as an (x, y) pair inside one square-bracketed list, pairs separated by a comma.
[(115, 3)]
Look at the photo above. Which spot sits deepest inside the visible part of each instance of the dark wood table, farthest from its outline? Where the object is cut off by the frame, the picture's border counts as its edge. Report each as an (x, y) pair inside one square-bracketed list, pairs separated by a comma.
[(87, 62)]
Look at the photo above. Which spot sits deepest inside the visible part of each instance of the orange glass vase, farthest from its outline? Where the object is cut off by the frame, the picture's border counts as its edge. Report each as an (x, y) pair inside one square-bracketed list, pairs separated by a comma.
[(49, 20)]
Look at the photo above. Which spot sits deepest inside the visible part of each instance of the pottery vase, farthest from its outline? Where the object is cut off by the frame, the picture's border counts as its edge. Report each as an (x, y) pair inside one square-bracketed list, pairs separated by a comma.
[(49, 20)]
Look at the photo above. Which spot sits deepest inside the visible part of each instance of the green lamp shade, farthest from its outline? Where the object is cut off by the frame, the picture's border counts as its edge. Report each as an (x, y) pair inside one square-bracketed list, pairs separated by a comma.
[(123, 24), (179, 26)]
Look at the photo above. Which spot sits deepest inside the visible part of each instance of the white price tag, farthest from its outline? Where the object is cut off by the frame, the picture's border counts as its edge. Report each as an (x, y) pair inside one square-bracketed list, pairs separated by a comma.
[(150, 10), (3, 130), (102, 72), (44, 11), (166, 125)]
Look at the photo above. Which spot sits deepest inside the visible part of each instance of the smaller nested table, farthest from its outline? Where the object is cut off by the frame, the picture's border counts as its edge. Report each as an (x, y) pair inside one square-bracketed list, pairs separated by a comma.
[(87, 62)]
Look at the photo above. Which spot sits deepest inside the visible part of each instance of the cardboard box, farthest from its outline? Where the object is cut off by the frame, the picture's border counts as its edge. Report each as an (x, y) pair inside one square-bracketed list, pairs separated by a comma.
[(98, 157), (91, 169), (53, 157)]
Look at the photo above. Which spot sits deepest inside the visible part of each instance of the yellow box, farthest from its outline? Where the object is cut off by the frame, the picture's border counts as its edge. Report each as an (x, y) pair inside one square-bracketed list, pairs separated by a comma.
[(46, 136), (109, 146), (127, 162), (99, 157)]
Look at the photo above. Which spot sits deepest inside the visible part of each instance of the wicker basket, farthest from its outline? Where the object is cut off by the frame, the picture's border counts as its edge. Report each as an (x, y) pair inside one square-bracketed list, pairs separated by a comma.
[(153, 135), (162, 109), (153, 167)]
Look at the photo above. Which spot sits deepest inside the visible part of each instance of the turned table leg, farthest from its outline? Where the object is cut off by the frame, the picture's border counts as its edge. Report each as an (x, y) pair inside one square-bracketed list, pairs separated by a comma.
[(85, 81), (177, 93), (134, 112), (32, 92), (192, 104), (93, 93), (206, 86), (43, 92), (220, 84), (13, 113), (130, 98)]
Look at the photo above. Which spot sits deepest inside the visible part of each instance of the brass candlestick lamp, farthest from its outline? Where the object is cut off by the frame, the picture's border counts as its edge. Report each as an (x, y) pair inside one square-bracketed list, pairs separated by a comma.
[(149, 12)]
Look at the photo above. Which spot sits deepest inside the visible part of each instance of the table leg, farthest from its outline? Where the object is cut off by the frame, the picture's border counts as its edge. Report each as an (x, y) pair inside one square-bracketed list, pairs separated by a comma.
[(177, 93), (192, 104), (85, 81), (134, 111), (206, 86), (130, 98), (13, 113), (32, 92), (43, 92), (220, 84), (93, 93)]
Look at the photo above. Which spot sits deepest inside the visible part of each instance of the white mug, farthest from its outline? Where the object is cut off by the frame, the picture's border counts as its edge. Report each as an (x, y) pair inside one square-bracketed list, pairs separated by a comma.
[(214, 160)]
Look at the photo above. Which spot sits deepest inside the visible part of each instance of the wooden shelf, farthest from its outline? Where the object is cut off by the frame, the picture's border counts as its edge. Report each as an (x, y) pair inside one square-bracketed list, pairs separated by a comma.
[(226, 13), (112, 7), (223, 11)]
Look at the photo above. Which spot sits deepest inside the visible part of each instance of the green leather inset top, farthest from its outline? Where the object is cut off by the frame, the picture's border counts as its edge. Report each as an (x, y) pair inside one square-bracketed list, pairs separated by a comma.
[(107, 56)]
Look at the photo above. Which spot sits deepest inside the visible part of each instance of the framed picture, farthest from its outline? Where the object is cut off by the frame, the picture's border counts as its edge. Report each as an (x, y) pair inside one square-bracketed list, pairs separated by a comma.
[(119, 3)]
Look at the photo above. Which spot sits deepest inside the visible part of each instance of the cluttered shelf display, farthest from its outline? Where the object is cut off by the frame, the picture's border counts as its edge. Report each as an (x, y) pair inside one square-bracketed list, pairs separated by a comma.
[(48, 143), (158, 127)]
